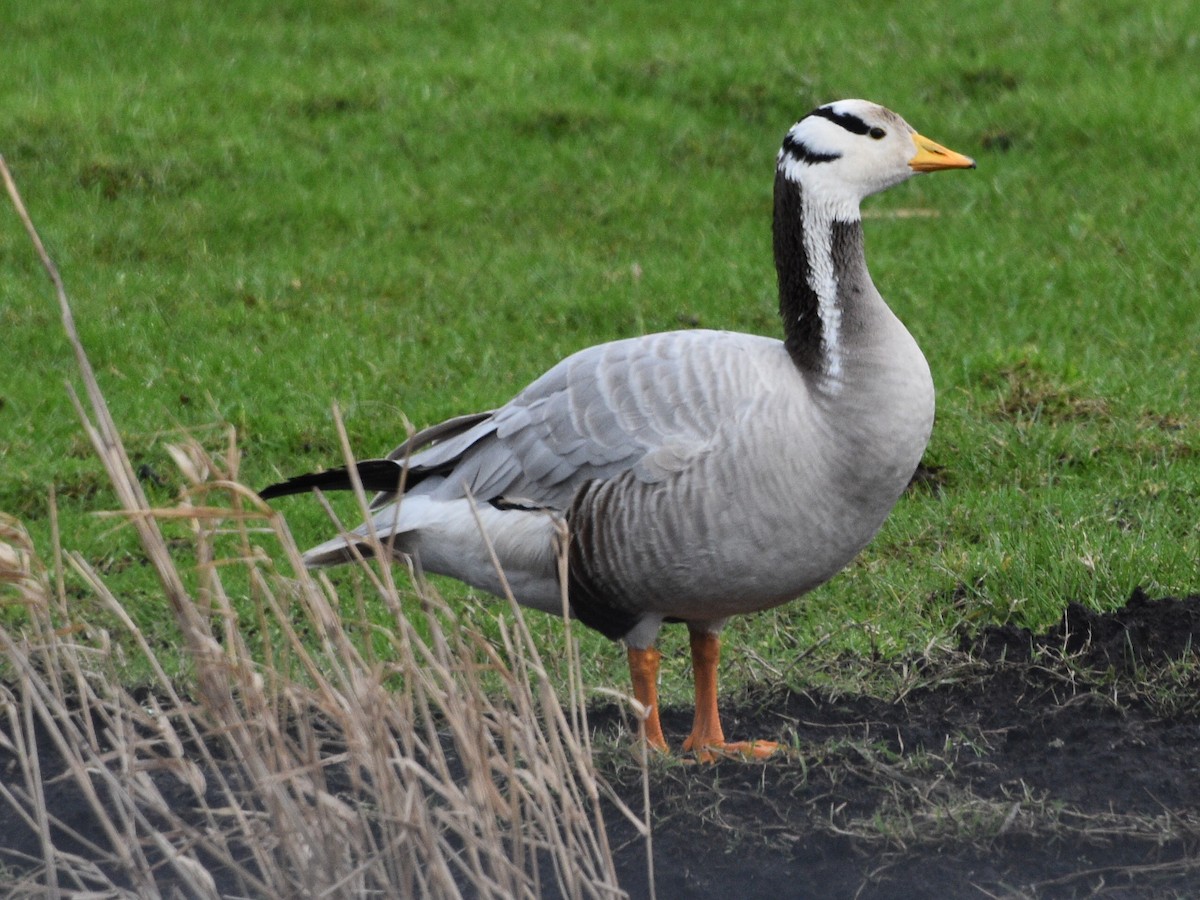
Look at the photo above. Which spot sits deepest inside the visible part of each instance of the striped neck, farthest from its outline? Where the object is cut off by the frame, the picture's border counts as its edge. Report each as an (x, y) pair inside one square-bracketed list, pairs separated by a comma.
[(821, 267)]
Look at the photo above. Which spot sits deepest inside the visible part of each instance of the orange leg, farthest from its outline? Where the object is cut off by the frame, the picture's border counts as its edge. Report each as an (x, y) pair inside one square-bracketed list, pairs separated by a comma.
[(643, 669), (707, 738), (706, 726)]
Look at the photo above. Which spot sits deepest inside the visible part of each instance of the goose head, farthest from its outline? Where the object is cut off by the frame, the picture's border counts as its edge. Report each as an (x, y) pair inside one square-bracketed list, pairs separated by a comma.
[(850, 149)]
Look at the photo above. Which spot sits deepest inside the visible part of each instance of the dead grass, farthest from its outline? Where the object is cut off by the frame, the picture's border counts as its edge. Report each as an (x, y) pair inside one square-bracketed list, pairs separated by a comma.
[(1023, 392), (302, 762)]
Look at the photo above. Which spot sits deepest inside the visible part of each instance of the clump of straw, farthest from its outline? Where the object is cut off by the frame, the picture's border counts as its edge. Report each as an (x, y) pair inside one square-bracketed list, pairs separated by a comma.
[(311, 753)]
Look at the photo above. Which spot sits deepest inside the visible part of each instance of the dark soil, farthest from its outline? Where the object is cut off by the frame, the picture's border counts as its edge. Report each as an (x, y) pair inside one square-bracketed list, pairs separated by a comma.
[(1055, 765)]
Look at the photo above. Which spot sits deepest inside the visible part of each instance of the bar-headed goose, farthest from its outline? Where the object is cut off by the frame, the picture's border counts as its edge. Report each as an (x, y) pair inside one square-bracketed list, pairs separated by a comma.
[(701, 474)]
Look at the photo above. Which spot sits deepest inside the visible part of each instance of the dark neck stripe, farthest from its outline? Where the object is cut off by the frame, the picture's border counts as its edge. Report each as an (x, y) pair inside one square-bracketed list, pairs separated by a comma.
[(801, 152), (798, 303), (807, 336), (849, 121)]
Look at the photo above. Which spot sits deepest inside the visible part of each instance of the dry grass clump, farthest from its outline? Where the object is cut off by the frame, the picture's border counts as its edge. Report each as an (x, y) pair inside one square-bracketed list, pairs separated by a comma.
[(391, 771), (307, 752)]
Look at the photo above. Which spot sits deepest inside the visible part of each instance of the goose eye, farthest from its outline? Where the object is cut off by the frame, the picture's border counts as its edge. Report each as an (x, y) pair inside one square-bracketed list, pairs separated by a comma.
[(877, 133)]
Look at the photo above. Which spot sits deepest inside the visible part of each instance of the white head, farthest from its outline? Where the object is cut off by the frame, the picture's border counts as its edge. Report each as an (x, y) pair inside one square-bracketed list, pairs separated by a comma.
[(844, 151)]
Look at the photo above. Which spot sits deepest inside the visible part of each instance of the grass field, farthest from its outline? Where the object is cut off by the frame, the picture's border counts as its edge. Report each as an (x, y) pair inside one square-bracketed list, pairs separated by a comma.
[(412, 209)]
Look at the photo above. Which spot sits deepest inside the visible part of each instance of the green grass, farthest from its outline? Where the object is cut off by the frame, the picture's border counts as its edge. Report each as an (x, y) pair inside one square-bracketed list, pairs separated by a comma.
[(414, 209)]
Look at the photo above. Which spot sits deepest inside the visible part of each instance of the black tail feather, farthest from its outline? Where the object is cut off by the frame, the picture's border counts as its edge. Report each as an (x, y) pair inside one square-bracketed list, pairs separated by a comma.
[(375, 474)]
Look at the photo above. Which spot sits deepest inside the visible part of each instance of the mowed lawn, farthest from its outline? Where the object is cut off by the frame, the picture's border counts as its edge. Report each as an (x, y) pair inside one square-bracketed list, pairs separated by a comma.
[(412, 209)]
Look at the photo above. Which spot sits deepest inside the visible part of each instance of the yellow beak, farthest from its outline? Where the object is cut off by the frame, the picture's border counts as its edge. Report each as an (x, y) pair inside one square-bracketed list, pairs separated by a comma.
[(932, 156)]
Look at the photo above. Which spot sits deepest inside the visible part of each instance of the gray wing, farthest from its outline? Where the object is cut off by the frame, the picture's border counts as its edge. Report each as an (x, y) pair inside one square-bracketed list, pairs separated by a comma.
[(649, 405)]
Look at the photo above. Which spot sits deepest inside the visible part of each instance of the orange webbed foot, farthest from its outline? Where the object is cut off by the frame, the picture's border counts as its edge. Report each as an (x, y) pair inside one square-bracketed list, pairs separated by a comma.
[(751, 750), (711, 751)]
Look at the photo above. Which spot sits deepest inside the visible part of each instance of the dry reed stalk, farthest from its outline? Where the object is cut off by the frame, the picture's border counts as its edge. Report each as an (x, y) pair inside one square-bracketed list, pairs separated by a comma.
[(312, 752)]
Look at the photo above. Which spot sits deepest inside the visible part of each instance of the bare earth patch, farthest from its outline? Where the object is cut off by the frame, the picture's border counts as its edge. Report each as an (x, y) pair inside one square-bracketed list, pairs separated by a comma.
[(1054, 765)]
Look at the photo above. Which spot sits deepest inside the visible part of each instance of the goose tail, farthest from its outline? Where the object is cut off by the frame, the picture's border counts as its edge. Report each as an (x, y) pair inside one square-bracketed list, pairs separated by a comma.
[(376, 475)]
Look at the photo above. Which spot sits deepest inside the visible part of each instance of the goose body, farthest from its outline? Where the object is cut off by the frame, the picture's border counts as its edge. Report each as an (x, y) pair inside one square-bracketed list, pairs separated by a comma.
[(701, 474)]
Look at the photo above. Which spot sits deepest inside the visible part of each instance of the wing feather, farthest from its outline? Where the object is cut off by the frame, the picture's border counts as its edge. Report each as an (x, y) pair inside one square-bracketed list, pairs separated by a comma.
[(646, 405)]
